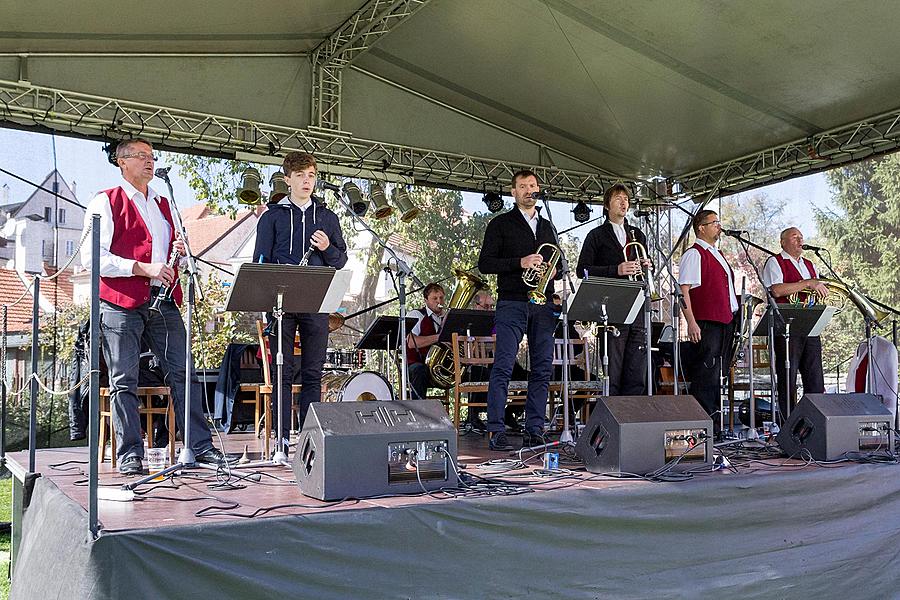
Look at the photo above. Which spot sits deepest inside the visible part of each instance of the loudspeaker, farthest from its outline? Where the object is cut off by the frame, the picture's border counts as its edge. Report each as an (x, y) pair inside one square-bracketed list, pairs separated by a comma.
[(830, 425), (359, 449), (640, 434)]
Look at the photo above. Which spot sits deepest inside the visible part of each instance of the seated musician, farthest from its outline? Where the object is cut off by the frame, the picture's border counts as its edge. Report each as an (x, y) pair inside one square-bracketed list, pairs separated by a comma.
[(424, 335), (785, 274)]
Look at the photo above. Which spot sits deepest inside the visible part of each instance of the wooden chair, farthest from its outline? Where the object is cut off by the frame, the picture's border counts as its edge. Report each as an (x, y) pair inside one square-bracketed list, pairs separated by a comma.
[(579, 388), (762, 381), (476, 351), (145, 397), (263, 392)]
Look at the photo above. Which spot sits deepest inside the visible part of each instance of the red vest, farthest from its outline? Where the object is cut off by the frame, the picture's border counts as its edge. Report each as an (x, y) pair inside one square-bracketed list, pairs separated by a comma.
[(709, 300), (131, 239), (791, 274), (417, 355)]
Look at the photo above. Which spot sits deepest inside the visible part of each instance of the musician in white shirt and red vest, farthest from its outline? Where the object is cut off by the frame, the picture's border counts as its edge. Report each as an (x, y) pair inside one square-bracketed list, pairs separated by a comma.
[(710, 304), (423, 336), (785, 274), (137, 248)]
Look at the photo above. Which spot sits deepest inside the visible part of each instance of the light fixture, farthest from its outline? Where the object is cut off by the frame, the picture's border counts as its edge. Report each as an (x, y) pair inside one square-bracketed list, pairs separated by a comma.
[(408, 210), (249, 191), (494, 201), (357, 204), (278, 188), (380, 201), (582, 212)]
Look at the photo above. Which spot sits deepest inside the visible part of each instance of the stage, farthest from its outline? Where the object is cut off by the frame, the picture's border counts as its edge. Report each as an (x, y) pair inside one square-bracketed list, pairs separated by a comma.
[(773, 529)]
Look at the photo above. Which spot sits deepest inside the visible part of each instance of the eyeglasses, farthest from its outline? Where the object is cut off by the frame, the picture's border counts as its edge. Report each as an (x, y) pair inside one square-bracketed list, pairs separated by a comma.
[(484, 306), (140, 155), (711, 223)]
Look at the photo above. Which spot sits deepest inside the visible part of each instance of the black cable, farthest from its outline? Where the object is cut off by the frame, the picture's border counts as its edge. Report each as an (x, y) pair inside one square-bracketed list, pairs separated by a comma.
[(42, 188)]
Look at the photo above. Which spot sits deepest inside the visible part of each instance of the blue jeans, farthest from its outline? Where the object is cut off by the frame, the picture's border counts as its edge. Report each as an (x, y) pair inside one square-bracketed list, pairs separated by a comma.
[(122, 331), (513, 320)]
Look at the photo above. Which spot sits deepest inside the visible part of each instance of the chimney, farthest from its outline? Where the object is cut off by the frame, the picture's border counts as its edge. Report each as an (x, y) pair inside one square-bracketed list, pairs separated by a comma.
[(72, 187), (4, 194)]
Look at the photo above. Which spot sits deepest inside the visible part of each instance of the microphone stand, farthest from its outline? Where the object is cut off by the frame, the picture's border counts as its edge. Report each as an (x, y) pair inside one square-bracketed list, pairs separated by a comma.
[(186, 457), (403, 271), (772, 307)]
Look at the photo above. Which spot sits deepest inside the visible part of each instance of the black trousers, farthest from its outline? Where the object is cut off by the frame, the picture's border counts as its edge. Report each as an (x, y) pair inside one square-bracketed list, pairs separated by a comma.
[(627, 361), (313, 330), (806, 357), (704, 363)]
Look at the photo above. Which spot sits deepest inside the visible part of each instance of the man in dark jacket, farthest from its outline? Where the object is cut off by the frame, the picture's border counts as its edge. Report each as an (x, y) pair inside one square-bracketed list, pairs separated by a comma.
[(603, 255), (284, 233), (510, 246)]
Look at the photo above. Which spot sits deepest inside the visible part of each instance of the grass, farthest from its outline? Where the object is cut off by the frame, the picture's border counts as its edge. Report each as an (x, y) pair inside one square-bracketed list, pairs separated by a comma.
[(5, 515)]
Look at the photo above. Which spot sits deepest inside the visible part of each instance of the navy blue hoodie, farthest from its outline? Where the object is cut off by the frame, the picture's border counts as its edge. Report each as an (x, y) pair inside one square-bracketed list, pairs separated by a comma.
[(282, 235)]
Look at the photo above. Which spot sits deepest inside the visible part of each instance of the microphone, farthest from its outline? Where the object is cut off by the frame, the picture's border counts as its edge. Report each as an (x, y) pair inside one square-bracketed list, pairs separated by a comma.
[(735, 232), (327, 185), (163, 173), (811, 247), (542, 195)]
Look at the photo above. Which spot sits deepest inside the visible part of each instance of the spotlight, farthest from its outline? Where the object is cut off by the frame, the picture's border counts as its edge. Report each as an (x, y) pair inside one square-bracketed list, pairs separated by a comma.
[(380, 201), (357, 204), (249, 192), (278, 188), (581, 212), (494, 201), (408, 210)]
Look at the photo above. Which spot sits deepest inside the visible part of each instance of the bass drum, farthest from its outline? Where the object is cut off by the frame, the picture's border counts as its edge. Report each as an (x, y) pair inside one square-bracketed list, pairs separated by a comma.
[(355, 387)]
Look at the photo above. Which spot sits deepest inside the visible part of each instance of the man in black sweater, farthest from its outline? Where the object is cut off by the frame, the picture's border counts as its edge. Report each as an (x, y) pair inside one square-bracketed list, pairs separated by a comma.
[(510, 246), (284, 233), (603, 256)]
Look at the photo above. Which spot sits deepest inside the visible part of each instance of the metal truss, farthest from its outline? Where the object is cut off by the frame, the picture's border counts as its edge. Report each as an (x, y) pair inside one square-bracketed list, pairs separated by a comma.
[(359, 33), (24, 105), (849, 143)]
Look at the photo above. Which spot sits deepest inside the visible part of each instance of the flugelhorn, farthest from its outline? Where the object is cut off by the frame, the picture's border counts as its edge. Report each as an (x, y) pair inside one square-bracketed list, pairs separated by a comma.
[(645, 274), (540, 274)]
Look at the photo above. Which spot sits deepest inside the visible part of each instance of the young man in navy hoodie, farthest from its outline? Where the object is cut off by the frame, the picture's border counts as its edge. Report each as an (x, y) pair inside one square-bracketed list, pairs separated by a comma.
[(284, 233)]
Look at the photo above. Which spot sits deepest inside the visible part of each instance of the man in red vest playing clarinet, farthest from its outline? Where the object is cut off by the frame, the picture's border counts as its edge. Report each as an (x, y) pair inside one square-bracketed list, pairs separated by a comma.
[(785, 274), (710, 304), (138, 261)]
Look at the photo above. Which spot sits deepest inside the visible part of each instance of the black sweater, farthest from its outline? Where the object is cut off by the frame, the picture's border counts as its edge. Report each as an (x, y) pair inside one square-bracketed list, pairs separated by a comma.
[(282, 237), (602, 253), (507, 239)]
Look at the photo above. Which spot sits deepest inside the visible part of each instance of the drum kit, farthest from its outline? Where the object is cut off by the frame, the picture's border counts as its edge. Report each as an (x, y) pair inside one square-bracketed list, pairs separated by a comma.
[(345, 379)]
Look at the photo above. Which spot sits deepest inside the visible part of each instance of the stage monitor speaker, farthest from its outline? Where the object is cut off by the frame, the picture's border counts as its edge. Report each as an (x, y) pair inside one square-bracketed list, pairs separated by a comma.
[(640, 434), (360, 449), (830, 425)]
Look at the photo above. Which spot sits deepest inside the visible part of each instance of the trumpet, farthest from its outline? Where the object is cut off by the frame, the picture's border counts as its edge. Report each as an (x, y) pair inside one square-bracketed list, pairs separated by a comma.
[(539, 275), (166, 291), (645, 275)]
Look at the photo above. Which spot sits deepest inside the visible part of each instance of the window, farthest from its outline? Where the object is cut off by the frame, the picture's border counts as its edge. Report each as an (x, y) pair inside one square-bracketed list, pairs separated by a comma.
[(70, 247), (46, 248), (61, 216), (48, 212)]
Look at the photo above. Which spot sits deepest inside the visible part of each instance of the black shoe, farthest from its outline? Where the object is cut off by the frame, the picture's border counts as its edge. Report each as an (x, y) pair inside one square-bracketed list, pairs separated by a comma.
[(131, 465), (530, 440), (499, 442), (476, 424), (214, 456)]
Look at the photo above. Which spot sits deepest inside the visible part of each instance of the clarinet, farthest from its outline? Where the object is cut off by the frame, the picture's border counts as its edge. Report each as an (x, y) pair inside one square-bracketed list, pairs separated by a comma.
[(305, 260), (165, 292)]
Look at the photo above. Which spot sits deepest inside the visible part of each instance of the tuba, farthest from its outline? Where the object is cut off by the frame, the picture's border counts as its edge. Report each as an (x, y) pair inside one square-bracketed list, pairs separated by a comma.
[(439, 359), (843, 293), (538, 276)]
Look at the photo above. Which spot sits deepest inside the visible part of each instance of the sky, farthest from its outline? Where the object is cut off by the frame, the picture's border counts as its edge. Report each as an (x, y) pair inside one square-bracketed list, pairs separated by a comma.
[(31, 156)]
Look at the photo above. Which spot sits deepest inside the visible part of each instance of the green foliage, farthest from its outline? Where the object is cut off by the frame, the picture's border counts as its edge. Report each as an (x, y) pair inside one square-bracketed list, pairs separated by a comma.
[(214, 327), (214, 180)]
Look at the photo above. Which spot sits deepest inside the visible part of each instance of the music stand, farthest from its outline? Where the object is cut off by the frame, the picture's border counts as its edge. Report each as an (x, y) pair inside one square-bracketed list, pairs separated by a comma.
[(610, 302), (262, 287), (466, 322), (799, 321), (384, 334)]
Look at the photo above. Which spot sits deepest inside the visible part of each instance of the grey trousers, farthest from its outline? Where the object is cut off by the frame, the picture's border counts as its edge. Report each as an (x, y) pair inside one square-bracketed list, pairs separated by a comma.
[(122, 331)]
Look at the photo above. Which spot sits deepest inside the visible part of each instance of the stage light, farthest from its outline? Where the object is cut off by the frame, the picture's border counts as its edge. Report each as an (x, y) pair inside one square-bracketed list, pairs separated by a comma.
[(249, 191), (278, 189), (408, 210), (380, 201), (581, 212), (357, 204), (493, 201)]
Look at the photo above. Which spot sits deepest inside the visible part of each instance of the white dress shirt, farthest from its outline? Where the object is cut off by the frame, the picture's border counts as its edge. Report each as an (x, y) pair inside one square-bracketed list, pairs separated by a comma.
[(619, 230), (112, 265), (437, 319), (772, 274), (689, 270), (532, 221)]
